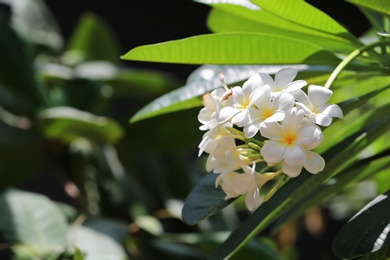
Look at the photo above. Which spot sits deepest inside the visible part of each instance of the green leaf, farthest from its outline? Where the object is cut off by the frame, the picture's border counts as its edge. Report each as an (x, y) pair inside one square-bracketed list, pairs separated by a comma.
[(96, 245), (205, 200), (367, 231), (36, 24), (234, 48), (67, 123), (337, 158), (376, 5), (94, 40), (34, 221), (16, 67), (228, 18), (300, 12)]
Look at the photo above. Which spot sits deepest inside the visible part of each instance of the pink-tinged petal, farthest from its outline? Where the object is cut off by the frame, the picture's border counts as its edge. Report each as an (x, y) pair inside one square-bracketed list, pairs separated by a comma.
[(285, 76), (298, 84), (291, 170), (272, 152), (226, 113), (318, 95), (310, 135), (252, 199), (272, 131), (332, 110), (266, 80), (314, 163), (294, 155)]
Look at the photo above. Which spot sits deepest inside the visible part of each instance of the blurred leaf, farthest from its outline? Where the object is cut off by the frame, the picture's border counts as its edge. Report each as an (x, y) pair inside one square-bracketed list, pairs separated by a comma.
[(228, 18), (376, 5), (367, 231), (205, 79), (337, 158), (34, 221), (204, 200), (96, 245), (234, 48), (78, 255), (35, 23), (67, 124), (94, 39), (16, 67)]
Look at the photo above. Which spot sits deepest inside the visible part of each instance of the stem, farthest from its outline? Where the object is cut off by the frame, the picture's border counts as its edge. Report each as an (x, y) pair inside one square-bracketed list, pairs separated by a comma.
[(350, 58)]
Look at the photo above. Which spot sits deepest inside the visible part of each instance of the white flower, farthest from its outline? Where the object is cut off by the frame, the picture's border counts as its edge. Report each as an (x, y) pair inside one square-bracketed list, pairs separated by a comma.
[(315, 107), (213, 137), (266, 110), (283, 81), (241, 99), (208, 115), (250, 182), (290, 142)]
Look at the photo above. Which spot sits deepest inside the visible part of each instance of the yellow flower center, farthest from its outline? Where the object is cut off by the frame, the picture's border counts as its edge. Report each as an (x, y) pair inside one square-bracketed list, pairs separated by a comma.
[(289, 138)]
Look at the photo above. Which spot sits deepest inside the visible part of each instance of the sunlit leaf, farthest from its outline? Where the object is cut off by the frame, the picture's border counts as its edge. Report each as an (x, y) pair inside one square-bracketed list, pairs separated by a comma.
[(234, 48), (34, 221), (376, 5), (227, 18), (67, 124), (367, 231)]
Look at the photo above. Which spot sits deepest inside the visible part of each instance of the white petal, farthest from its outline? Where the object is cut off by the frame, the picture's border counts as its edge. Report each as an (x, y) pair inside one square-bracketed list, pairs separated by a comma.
[(300, 96), (298, 84), (333, 110), (253, 83), (271, 130), (294, 155), (290, 170), (285, 101), (241, 183), (323, 119), (277, 116), (314, 162), (250, 130), (318, 95), (252, 199), (226, 113), (310, 135), (266, 80), (272, 152), (285, 76)]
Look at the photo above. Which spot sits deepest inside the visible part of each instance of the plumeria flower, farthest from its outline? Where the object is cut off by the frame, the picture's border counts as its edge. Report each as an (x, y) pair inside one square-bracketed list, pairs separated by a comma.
[(266, 110), (283, 81), (209, 114), (315, 107), (250, 182), (290, 143), (213, 137), (241, 99)]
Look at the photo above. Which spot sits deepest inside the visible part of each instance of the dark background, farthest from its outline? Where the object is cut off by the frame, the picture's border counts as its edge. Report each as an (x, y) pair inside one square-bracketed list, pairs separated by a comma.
[(137, 23)]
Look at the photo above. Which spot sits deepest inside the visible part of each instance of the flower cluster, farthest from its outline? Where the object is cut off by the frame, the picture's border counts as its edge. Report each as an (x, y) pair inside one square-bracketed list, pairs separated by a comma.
[(271, 121)]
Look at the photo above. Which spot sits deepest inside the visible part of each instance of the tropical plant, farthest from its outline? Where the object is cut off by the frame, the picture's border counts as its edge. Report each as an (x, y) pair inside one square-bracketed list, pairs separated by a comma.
[(261, 37)]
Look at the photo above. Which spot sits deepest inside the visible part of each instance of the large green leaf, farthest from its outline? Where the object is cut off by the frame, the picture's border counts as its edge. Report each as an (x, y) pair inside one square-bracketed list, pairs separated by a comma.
[(16, 66), (367, 231), (34, 221), (300, 12), (67, 124), (376, 5), (94, 39), (234, 48), (225, 18), (337, 158)]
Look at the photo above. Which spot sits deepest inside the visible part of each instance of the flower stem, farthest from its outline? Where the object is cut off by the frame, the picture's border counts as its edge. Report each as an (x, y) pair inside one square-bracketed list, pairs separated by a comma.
[(350, 58)]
